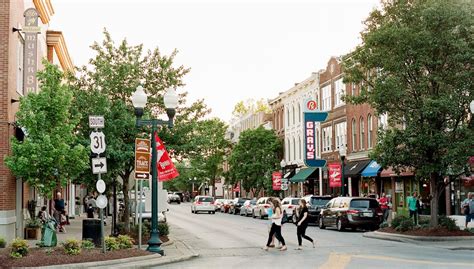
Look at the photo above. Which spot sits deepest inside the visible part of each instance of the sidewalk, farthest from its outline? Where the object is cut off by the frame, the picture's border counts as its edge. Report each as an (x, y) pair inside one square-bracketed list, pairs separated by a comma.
[(175, 250)]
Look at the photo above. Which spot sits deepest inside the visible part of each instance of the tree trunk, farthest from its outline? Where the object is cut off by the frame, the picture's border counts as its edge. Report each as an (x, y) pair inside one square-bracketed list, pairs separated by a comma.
[(434, 199), (126, 202)]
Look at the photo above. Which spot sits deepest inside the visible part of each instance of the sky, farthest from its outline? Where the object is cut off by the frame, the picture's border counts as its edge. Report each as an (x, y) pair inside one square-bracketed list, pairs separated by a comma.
[(237, 50)]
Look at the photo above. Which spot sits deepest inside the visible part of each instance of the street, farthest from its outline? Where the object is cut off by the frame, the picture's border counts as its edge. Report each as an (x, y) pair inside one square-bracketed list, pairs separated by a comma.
[(232, 241)]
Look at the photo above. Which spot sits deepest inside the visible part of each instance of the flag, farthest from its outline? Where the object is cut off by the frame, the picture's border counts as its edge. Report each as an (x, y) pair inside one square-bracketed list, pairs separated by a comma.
[(166, 169)]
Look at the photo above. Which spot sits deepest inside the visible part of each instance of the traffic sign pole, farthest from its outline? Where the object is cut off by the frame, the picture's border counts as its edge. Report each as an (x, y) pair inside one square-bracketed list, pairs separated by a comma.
[(101, 210)]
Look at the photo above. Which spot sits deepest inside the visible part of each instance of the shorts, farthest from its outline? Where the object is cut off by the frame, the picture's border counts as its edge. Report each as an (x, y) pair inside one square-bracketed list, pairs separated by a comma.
[(469, 217)]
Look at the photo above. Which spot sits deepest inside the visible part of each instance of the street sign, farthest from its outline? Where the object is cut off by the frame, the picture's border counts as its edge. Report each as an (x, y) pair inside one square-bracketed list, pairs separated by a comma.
[(101, 201), (142, 162), (100, 186), (96, 121), (142, 175), (142, 145), (310, 135), (97, 142), (99, 165), (284, 187)]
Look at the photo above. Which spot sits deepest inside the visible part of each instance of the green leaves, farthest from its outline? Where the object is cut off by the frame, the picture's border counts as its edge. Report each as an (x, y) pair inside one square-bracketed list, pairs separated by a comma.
[(49, 156)]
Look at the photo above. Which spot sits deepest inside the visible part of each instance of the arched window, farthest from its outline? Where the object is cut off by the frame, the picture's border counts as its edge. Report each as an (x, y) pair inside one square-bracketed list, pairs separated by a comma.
[(361, 133), (293, 107), (288, 117), (294, 149), (369, 131), (354, 135), (287, 153), (299, 113), (300, 149)]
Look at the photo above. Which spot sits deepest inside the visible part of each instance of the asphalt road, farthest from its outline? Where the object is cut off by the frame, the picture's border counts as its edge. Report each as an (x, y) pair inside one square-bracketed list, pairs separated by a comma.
[(232, 241)]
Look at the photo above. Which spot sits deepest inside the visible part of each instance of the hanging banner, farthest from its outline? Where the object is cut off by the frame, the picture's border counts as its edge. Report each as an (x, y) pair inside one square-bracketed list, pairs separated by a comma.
[(276, 181), (166, 169), (335, 175)]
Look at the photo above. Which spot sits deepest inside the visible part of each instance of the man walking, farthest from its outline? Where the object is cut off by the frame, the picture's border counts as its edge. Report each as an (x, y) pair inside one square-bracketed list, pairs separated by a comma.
[(383, 201), (468, 208), (411, 201)]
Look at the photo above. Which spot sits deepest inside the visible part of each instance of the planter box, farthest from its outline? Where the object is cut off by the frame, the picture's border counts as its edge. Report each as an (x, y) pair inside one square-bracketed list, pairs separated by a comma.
[(33, 233)]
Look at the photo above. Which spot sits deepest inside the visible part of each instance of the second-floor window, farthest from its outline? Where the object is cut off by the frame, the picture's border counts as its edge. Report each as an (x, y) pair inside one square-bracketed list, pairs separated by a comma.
[(354, 135), (369, 131), (340, 92), (327, 139), (341, 135), (326, 100), (19, 75), (361, 133)]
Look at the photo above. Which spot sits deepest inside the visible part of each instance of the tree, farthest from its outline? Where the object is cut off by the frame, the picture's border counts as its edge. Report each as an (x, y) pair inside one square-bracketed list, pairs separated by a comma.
[(254, 158), (415, 63), (50, 154), (242, 108), (105, 87)]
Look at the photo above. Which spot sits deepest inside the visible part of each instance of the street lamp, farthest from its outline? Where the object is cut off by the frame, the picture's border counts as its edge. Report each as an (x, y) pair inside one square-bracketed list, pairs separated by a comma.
[(471, 106), (139, 100), (342, 154), (283, 170)]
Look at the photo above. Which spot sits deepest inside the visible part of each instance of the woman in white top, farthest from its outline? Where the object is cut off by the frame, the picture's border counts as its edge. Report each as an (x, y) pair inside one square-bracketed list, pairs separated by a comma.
[(276, 226)]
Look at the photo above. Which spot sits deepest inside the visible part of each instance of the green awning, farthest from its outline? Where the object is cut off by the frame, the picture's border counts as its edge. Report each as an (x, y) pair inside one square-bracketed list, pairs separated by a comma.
[(303, 174)]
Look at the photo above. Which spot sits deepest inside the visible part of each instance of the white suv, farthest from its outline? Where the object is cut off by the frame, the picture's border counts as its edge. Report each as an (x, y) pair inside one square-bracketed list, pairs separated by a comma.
[(262, 207), (203, 203), (290, 205)]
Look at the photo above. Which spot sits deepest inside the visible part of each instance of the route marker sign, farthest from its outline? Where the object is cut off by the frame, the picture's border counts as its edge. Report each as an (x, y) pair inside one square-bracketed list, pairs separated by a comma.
[(99, 165), (97, 142)]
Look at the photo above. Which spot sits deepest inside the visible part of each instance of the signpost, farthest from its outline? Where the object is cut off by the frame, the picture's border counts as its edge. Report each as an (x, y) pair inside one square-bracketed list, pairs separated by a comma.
[(99, 166), (284, 184), (311, 117), (142, 172)]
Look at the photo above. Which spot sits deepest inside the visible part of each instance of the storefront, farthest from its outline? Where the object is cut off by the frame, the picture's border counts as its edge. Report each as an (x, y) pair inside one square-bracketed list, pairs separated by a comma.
[(305, 179), (399, 186), (352, 176), (370, 183)]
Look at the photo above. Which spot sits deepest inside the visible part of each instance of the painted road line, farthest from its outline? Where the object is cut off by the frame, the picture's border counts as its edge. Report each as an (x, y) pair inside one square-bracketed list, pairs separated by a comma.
[(336, 261)]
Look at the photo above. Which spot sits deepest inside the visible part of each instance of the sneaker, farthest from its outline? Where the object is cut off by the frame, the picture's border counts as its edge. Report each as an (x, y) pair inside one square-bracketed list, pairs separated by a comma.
[(278, 247), (284, 248), (265, 248), (299, 248), (271, 246)]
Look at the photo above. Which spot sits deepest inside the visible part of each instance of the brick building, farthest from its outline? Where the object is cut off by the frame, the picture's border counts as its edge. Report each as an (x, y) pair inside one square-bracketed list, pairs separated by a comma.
[(14, 65)]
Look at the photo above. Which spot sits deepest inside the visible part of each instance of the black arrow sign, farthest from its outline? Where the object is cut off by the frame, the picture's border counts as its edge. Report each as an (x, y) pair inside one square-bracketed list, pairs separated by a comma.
[(101, 164)]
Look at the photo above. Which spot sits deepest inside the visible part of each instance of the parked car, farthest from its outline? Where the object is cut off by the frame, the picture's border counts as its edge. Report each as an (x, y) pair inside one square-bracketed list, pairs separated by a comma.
[(180, 194), (226, 206), (261, 208), (236, 205), (351, 212), (247, 207), (173, 198), (203, 203), (289, 205), (219, 203), (315, 204)]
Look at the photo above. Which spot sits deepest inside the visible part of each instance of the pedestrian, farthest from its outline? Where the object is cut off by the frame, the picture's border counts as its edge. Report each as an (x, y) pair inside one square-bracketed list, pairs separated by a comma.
[(468, 208), (302, 224), (91, 204), (59, 211), (43, 215), (412, 202), (276, 226), (419, 205), (269, 214), (383, 201)]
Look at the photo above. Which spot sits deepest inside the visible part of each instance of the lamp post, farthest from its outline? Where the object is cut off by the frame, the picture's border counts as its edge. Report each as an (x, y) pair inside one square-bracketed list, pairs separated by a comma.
[(283, 166), (139, 100), (342, 154)]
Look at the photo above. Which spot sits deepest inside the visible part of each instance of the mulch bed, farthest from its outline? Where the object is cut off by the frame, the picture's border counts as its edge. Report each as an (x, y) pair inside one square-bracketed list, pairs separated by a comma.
[(428, 232), (41, 257)]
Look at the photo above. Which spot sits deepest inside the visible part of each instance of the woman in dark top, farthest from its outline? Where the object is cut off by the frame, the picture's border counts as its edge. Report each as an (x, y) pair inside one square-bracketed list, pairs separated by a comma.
[(302, 224)]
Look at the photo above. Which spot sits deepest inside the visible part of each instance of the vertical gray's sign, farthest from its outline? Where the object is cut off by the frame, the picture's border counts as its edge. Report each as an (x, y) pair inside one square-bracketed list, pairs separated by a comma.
[(30, 65)]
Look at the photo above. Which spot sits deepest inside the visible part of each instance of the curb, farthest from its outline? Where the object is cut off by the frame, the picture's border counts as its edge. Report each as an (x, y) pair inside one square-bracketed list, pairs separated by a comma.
[(412, 238)]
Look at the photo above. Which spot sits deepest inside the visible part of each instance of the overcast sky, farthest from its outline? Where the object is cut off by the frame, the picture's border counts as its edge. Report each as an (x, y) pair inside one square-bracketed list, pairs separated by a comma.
[(236, 49)]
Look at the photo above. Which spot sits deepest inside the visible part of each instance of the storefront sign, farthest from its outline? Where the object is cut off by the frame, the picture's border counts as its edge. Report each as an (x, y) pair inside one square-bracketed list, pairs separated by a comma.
[(30, 64), (335, 175), (399, 186), (276, 181), (311, 117)]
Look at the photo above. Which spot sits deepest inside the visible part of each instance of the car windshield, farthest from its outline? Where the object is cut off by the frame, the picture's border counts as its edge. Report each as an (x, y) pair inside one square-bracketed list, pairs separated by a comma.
[(205, 199), (253, 202), (295, 201), (242, 200), (319, 201), (363, 203)]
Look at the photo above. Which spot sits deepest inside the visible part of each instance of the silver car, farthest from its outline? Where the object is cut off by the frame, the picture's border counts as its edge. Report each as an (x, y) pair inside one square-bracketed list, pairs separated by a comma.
[(247, 208), (262, 207), (203, 203)]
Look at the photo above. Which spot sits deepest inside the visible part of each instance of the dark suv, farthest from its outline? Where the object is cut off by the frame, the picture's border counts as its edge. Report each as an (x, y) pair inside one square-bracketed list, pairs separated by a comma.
[(236, 205), (314, 204), (351, 212)]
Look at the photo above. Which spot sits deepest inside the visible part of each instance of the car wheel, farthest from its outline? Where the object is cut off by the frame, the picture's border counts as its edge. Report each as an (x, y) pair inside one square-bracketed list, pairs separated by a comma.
[(253, 214), (213, 212), (261, 215), (293, 218), (339, 225), (179, 203), (321, 223), (209, 212)]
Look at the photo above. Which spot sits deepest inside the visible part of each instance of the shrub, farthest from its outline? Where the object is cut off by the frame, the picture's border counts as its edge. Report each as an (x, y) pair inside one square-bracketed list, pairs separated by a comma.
[(423, 220), (398, 220), (471, 230), (124, 241), (383, 225), (111, 243), (163, 228), (33, 223), (405, 225), (19, 248), (448, 223), (87, 244), (3, 243), (72, 247)]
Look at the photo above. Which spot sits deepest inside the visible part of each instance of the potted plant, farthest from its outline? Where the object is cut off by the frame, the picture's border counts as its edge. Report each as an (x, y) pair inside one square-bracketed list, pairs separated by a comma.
[(33, 229)]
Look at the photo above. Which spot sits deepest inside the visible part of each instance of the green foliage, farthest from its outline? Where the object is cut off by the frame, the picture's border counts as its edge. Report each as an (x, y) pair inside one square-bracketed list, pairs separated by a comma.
[(383, 225), (471, 230), (163, 228), (33, 223), (50, 154), (111, 243), (448, 223), (415, 64), (405, 225), (398, 220), (254, 158), (242, 108), (19, 249), (87, 244), (72, 247), (124, 241), (3, 242)]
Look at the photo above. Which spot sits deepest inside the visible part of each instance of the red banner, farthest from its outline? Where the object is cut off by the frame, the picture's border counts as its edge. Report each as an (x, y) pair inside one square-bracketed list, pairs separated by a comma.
[(276, 181), (166, 169), (335, 175)]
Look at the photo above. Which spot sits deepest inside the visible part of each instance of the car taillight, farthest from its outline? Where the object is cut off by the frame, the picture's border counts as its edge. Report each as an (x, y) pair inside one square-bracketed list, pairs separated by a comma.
[(266, 206), (290, 206), (353, 212), (198, 202), (212, 202)]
